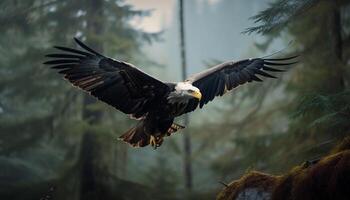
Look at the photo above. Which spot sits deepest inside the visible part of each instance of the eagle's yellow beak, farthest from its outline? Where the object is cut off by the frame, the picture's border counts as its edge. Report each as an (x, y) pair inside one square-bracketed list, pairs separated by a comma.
[(197, 95)]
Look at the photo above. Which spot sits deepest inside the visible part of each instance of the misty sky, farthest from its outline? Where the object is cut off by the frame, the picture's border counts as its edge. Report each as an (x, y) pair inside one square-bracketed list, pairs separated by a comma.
[(213, 32)]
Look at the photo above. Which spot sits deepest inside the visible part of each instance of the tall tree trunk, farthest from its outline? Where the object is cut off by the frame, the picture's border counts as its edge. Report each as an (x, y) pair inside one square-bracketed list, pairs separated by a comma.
[(96, 169), (187, 138), (336, 44)]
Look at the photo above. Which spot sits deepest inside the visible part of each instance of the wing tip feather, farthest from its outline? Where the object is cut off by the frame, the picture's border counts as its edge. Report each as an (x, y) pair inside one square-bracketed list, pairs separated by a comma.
[(84, 46)]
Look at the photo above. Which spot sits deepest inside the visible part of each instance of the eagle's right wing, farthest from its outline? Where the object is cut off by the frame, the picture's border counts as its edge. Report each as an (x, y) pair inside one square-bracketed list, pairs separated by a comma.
[(117, 83), (224, 77)]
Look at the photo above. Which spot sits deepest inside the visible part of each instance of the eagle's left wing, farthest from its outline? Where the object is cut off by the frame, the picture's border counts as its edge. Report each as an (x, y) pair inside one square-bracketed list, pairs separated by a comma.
[(114, 82), (219, 79)]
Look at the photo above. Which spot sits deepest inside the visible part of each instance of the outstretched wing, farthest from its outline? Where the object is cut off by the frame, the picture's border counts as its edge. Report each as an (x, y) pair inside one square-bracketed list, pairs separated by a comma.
[(117, 83), (219, 79)]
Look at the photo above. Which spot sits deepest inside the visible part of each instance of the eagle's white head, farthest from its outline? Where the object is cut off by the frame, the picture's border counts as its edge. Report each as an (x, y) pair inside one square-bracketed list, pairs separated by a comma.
[(183, 92), (187, 89)]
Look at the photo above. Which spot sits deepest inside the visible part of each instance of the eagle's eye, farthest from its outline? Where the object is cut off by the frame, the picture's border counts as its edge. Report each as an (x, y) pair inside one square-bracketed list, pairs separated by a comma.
[(191, 91)]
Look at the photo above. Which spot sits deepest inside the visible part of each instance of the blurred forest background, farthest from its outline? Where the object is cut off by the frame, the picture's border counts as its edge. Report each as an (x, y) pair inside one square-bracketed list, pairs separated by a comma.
[(55, 143)]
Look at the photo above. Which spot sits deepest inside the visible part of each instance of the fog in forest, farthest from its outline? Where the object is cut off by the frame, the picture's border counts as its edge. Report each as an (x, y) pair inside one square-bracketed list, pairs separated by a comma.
[(49, 146)]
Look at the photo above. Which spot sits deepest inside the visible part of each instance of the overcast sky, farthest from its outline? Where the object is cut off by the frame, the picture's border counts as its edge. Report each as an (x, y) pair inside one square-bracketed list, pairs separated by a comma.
[(212, 30), (162, 14)]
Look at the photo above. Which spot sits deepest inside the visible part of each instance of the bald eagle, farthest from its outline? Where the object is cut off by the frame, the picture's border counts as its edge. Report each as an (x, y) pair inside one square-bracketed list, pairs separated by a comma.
[(152, 102)]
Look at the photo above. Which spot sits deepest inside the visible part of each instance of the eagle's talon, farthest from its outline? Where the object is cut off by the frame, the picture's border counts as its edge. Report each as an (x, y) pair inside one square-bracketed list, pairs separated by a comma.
[(152, 141), (159, 141), (156, 141)]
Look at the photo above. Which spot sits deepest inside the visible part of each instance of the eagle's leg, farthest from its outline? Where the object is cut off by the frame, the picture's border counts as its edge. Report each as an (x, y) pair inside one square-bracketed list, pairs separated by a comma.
[(156, 141), (152, 141)]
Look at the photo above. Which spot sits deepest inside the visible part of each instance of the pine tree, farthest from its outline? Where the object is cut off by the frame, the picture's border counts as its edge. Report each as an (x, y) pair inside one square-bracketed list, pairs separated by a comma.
[(41, 116), (315, 108)]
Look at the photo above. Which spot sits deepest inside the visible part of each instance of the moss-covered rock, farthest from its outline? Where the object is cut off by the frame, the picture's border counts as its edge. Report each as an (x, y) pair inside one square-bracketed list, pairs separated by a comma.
[(253, 185), (327, 178)]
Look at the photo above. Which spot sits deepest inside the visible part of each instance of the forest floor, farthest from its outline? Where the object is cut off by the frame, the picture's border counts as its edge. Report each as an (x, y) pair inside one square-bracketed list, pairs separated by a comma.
[(325, 178)]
